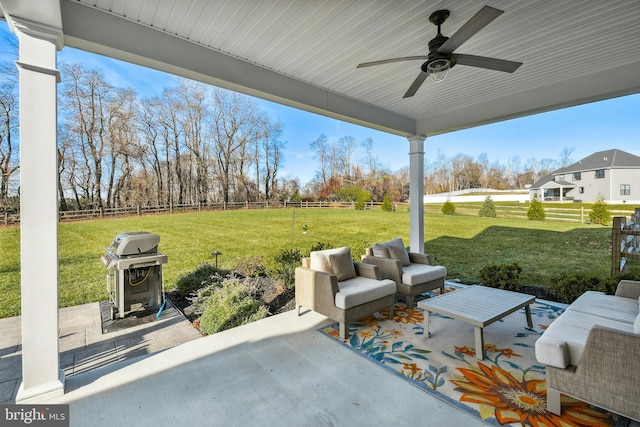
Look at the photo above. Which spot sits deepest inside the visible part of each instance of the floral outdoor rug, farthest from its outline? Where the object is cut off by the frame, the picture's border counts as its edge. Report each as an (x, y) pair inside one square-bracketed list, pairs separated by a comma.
[(506, 388)]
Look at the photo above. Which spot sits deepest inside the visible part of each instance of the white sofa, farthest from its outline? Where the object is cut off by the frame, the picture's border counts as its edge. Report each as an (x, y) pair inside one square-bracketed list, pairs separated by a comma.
[(592, 351)]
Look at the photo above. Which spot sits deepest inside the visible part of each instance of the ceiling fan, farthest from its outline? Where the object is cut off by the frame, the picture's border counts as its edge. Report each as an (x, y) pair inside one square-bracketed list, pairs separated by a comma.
[(441, 55)]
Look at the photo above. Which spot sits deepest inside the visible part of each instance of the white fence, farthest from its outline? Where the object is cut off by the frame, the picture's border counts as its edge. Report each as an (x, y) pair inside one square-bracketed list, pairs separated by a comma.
[(478, 195)]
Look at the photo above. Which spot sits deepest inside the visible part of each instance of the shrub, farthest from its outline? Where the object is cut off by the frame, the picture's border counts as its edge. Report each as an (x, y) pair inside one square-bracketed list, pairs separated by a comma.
[(231, 305), (199, 299), (285, 263), (536, 211), (504, 276), (387, 206), (321, 246), (599, 212), (488, 209), (567, 287), (448, 208), (196, 279), (353, 193), (251, 266)]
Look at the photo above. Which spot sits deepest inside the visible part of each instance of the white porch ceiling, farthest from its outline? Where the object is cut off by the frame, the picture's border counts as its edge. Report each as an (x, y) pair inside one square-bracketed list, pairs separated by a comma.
[(304, 53)]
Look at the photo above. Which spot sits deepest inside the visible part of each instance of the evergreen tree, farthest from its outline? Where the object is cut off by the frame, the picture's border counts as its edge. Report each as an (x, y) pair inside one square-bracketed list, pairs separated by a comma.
[(536, 211), (488, 209), (387, 206), (448, 208), (600, 212)]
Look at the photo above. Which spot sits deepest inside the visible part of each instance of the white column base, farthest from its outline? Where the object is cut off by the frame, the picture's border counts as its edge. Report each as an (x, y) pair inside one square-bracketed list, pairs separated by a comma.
[(41, 392)]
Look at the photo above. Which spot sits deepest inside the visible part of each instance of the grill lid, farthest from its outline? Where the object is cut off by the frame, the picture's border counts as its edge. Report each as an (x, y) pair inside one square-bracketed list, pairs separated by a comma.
[(134, 243)]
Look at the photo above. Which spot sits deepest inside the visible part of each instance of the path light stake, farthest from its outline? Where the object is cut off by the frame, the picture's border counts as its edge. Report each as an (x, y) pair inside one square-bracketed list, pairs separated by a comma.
[(215, 254)]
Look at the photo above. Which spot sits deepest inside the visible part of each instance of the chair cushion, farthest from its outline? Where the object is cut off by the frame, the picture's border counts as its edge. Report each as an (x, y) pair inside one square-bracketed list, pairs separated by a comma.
[(342, 265), (320, 261), (611, 307), (360, 290), (416, 274), (636, 324)]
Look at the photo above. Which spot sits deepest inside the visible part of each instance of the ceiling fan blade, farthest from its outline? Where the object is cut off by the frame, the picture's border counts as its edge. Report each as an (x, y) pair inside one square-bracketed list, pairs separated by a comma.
[(477, 22), (388, 61), (416, 84), (489, 63)]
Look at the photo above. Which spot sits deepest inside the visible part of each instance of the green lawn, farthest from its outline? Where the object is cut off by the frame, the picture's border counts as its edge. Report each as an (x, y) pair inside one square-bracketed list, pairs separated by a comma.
[(464, 244)]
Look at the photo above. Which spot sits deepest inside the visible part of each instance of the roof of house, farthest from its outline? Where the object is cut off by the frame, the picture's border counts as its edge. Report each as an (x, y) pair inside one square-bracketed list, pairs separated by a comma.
[(542, 181), (557, 184), (608, 159)]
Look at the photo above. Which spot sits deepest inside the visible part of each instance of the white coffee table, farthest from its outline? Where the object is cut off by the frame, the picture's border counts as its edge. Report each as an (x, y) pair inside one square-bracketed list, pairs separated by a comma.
[(479, 306)]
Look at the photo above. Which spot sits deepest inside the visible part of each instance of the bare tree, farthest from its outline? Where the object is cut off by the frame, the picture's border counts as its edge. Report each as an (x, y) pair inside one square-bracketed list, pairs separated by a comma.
[(9, 148), (235, 125), (271, 154), (565, 156), (320, 148), (86, 98), (194, 116)]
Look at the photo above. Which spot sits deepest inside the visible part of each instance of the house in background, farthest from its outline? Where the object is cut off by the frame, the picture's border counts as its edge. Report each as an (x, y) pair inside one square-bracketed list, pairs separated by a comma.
[(613, 175)]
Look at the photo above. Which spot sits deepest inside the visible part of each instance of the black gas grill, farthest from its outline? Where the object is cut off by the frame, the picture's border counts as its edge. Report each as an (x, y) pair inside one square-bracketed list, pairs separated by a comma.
[(134, 279)]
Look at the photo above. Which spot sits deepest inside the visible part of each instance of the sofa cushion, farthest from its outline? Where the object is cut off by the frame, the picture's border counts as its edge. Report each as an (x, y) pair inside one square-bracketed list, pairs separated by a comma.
[(416, 274), (319, 260), (571, 328), (342, 265), (611, 307), (360, 290), (552, 352)]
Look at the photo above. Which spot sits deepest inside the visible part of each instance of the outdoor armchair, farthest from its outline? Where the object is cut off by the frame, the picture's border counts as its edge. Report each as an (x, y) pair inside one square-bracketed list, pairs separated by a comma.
[(412, 272), (329, 282)]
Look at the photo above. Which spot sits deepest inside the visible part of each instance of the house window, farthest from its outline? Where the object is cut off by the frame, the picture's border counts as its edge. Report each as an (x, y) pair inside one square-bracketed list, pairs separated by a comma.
[(560, 178), (600, 173), (577, 176), (625, 189)]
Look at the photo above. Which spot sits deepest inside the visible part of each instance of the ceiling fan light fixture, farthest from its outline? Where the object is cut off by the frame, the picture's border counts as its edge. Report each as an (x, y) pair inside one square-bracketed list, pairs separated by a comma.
[(438, 69)]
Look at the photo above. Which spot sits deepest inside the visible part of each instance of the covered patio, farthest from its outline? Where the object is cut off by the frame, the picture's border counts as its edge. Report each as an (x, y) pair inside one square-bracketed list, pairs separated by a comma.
[(303, 55)]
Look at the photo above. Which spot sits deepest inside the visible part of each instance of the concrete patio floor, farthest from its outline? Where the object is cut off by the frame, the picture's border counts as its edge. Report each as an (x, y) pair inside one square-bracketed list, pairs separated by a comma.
[(83, 346), (275, 372), (278, 371)]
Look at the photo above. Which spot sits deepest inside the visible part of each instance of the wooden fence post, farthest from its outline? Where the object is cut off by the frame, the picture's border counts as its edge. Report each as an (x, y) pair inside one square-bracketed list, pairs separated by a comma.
[(616, 236)]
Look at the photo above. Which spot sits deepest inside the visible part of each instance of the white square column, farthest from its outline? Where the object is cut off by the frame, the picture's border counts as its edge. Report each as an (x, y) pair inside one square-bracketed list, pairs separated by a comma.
[(41, 375), (416, 193)]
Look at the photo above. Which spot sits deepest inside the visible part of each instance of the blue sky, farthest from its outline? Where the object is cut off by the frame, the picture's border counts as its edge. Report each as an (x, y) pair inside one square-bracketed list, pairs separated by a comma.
[(587, 128)]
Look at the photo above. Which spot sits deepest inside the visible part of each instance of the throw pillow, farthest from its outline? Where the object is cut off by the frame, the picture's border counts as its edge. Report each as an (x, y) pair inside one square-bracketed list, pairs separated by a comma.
[(343, 267), (399, 253), (380, 249), (319, 260), (399, 250)]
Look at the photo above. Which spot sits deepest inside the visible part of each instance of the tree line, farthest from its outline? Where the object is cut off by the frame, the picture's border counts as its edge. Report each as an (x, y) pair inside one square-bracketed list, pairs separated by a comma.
[(195, 143)]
